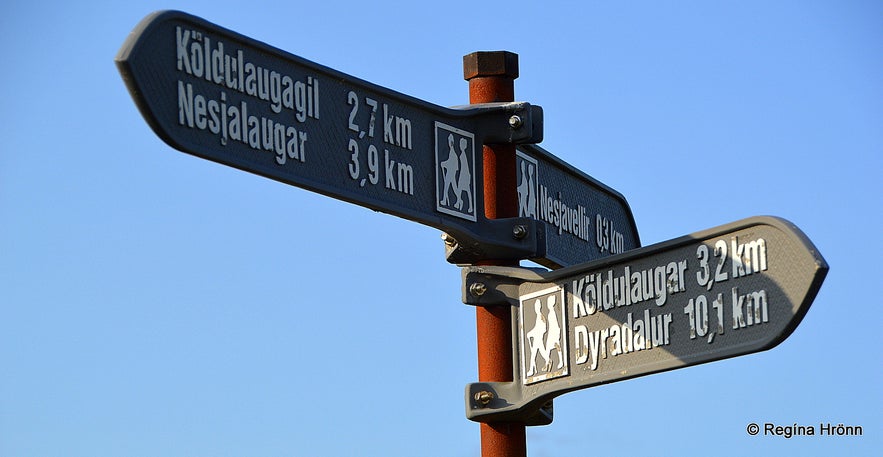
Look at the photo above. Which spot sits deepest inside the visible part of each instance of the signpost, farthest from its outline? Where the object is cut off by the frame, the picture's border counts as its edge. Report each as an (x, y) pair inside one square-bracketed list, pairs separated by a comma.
[(614, 311), (583, 218), (724, 292), (211, 92)]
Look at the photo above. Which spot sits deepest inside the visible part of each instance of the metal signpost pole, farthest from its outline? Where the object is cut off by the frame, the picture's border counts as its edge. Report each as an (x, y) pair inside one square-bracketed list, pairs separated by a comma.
[(491, 77)]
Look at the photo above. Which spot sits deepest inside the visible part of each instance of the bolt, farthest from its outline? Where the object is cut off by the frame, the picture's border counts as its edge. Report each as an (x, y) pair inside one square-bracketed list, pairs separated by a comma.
[(519, 232), (478, 289), (449, 240), (490, 63), (484, 397), (515, 122)]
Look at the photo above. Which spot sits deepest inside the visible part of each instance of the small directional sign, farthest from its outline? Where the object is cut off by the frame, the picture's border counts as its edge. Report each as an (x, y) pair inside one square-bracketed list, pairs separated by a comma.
[(584, 219), (720, 293), (214, 93)]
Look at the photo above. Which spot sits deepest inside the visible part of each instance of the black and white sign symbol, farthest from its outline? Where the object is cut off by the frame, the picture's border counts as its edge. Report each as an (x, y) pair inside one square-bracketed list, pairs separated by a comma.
[(527, 177), (455, 171), (542, 324)]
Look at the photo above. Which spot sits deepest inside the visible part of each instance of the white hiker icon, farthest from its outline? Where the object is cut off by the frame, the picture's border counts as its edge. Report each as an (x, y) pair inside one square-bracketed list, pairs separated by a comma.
[(535, 338), (449, 171), (456, 176), (527, 201), (545, 337)]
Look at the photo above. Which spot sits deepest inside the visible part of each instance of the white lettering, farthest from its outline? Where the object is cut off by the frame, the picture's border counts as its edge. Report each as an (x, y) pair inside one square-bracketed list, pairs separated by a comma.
[(632, 335), (214, 116), (197, 55)]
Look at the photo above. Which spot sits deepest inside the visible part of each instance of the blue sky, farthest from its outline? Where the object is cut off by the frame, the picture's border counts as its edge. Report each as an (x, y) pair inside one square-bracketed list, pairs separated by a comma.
[(153, 303)]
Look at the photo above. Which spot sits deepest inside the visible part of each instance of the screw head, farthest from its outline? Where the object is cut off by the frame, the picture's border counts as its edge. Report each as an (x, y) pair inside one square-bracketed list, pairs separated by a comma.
[(478, 289), (448, 240), (515, 122), (519, 232), (484, 397)]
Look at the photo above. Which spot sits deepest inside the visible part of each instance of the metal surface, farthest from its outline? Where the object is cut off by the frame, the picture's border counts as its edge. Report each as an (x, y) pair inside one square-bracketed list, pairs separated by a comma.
[(216, 94), (583, 218), (720, 293)]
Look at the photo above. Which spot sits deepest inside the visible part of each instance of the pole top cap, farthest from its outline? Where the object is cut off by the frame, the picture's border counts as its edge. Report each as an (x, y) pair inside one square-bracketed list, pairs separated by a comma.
[(490, 63)]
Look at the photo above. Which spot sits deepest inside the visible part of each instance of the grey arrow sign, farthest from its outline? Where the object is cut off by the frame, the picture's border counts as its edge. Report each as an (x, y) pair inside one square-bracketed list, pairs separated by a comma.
[(719, 293), (214, 93)]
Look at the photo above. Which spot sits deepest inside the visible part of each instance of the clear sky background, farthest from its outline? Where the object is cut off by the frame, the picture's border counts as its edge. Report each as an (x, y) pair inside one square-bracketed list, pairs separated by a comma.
[(153, 303)]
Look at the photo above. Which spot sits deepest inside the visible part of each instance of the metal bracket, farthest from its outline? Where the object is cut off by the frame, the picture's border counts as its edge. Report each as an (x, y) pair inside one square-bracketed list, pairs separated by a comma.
[(501, 401), (492, 402), (514, 276), (488, 286), (505, 122), (508, 122), (526, 241)]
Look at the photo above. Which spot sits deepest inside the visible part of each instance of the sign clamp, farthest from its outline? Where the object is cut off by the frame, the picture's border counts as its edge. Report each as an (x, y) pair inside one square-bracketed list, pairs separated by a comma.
[(493, 401), (502, 239), (506, 122)]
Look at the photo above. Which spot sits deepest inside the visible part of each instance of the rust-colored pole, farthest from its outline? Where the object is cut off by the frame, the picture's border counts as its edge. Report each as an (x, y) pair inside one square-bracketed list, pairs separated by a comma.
[(491, 77)]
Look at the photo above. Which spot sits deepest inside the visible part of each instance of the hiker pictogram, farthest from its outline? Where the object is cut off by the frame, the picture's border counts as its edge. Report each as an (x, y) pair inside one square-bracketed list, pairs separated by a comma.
[(455, 171), (528, 177), (543, 336)]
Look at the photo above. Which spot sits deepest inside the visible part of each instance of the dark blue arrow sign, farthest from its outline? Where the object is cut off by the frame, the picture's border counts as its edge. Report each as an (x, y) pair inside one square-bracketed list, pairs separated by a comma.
[(216, 94)]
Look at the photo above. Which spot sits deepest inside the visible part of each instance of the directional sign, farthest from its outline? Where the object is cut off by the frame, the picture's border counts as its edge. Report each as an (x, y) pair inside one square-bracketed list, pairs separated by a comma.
[(720, 293), (211, 92), (584, 219)]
